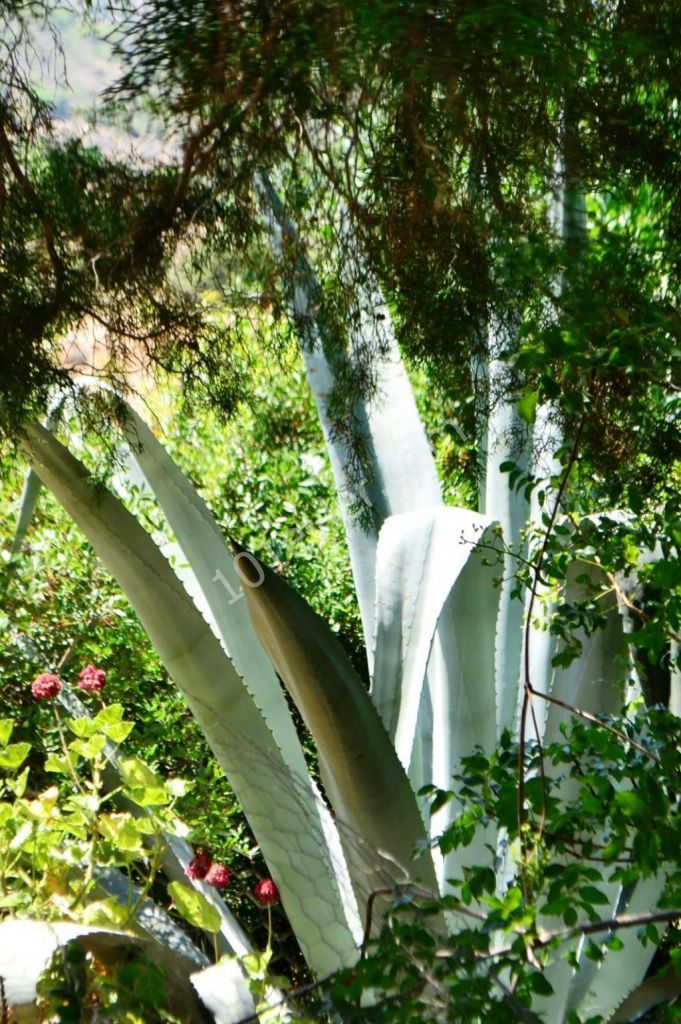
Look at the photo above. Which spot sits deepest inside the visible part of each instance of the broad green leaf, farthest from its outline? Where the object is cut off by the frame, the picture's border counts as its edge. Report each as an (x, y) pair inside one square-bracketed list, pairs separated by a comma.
[(118, 732), (60, 764), (112, 714), (136, 773), (90, 748), (82, 726), (19, 784), (6, 727), (527, 407), (121, 830), (194, 907), (13, 755)]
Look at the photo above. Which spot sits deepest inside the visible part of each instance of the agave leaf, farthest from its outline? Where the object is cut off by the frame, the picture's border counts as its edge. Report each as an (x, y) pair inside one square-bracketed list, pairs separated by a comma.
[(216, 574), (30, 493), (27, 947), (422, 557), (282, 809), (222, 990), (621, 971), (363, 778), (592, 683), (436, 615), (663, 988), (400, 473)]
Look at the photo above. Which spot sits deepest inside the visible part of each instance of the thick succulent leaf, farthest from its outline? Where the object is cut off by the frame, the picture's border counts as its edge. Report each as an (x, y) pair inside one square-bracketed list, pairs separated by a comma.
[(662, 988), (283, 809), (363, 778), (400, 472), (216, 573), (503, 437), (593, 682), (27, 948), (434, 683), (621, 972), (423, 557), (27, 504), (222, 990), (30, 493)]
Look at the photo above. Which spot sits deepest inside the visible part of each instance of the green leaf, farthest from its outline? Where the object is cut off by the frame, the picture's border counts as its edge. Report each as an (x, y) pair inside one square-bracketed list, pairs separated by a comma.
[(118, 732), (121, 830), (60, 764), (194, 907), (540, 984), (18, 785), (82, 727), (112, 714), (89, 749), (13, 755), (6, 727), (593, 896), (631, 805), (527, 406)]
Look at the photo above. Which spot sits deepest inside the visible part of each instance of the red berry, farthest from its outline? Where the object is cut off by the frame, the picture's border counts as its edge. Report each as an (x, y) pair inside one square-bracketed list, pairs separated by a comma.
[(45, 686), (265, 891), (218, 875), (199, 865)]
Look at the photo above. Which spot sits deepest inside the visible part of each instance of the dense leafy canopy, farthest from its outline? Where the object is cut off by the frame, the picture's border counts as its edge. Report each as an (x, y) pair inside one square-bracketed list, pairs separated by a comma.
[(436, 135)]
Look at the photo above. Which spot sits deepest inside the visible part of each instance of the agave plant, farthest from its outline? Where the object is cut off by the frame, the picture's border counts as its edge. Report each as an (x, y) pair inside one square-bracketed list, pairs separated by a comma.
[(447, 652)]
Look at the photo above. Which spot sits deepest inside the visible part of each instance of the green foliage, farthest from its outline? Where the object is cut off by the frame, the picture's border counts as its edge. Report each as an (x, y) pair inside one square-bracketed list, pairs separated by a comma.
[(53, 840), (615, 781)]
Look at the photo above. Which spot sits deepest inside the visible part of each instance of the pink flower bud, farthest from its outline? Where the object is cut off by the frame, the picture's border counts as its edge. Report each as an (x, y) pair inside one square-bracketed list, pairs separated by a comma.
[(218, 875), (199, 865), (45, 686), (265, 891), (92, 679)]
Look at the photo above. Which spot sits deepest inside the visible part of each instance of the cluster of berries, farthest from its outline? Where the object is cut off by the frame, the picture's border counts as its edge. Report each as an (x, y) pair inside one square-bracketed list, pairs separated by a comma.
[(201, 867), (47, 685)]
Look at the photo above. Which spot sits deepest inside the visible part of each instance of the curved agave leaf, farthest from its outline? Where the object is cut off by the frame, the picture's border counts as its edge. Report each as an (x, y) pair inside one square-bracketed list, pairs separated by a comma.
[(176, 852), (27, 947), (216, 574), (421, 558), (503, 438), (401, 472), (621, 972), (436, 617), (30, 493), (664, 988), (222, 990), (592, 682), (282, 809), (362, 775)]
